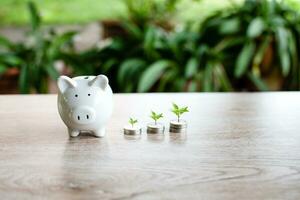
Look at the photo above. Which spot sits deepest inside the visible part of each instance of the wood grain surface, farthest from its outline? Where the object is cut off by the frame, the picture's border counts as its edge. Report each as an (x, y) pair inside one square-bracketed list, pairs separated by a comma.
[(238, 146)]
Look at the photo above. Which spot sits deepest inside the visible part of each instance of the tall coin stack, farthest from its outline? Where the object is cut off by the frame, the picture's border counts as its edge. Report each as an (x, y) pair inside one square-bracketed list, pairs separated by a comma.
[(178, 126)]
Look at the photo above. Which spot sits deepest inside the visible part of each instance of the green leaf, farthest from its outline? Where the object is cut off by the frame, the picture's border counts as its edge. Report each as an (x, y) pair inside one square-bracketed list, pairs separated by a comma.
[(152, 75), (256, 27), (175, 106), (133, 29), (244, 59), (23, 80), (222, 76), (127, 69), (107, 65), (207, 80), (3, 68), (191, 67), (58, 42), (11, 60), (193, 86), (230, 26), (179, 111), (166, 78), (149, 41), (228, 42), (257, 82), (156, 116), (183, 110), (5, 42), (34, 15), (132, 121), (282, 41), (294, 59), (52, 72), (261, 51)]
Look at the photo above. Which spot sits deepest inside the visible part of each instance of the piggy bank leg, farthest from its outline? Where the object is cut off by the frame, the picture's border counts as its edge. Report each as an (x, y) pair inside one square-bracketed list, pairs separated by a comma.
[(73, 133), (99, 132)]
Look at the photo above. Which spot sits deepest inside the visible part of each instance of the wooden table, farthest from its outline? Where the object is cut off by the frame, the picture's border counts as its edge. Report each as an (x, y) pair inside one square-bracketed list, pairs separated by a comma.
[(238, 146)]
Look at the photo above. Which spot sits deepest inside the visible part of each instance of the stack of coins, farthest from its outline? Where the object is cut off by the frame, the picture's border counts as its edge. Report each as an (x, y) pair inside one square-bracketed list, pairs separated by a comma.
[(178, 126), (132, 130), (155, 128)]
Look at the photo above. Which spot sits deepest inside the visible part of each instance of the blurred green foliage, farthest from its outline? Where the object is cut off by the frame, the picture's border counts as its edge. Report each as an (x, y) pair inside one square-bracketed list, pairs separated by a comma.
[(252, 46), (35, 57)]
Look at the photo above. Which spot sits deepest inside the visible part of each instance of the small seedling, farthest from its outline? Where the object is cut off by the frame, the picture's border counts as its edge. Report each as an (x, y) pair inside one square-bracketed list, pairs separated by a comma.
[(132, 121), (155, 116), (179, 111)]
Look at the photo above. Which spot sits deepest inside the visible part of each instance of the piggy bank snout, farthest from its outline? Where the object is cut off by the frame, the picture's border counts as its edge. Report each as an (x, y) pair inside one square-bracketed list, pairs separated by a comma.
[(83, 115)]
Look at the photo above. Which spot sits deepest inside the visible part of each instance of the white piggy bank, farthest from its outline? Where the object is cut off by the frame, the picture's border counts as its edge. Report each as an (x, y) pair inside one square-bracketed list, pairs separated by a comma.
[(85, 103)]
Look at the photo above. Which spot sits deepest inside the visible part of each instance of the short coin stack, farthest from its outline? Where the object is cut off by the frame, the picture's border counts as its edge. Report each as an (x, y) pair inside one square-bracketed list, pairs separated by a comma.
[(155, 128), (129, 130)]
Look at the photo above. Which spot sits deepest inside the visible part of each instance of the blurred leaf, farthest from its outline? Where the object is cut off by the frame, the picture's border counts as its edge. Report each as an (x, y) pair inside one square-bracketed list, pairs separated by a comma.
[(244, 59), (152, 74), (207, 79), (257, 82), (201, 50), (108, 64), (191, 67), (282, 47), (5, 42), (294, 61), (58, 42), (23, 80), (256, 27), (175, 106), (166, 78), (133, 30), (127, 68), (228, 42), (52, 72), (179, 84), (261, 51), (222, 76), (34, 15), (192, 86), (3, 69), (129, 87), (230, 26), (149, 40), (11, 60)]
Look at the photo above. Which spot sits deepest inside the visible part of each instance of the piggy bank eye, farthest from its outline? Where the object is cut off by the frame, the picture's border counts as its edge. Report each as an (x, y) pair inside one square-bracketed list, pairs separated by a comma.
[(76, 95), (89, 94)]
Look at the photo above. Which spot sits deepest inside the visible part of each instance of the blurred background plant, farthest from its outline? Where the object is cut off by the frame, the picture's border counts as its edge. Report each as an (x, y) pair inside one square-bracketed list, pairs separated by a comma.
[(257, 44), (33, 60), (252, 45)]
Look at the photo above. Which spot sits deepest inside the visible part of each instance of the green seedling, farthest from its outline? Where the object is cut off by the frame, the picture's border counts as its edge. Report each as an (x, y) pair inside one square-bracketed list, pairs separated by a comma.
[(156, 117), (179, 111), (132, 121)]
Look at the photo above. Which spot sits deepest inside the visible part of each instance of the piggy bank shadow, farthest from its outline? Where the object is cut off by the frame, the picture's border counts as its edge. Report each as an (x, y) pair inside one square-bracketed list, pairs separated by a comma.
[(84, 135), (82, 163)]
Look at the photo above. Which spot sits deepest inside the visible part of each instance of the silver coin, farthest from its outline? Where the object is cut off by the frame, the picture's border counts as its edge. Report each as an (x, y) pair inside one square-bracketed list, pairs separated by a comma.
[(177, 130), (155, 128), (129, 130), (182, 124)]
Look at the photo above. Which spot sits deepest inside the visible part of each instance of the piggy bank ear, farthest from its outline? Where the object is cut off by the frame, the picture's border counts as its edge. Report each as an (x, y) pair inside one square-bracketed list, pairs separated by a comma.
[(64, 83), (99, 81)]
